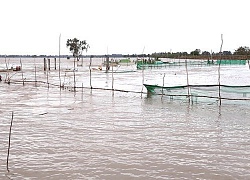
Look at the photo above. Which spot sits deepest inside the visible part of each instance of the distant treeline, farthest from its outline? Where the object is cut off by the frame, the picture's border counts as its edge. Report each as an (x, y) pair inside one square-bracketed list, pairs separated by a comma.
[(242, 53), (61, 56), (71, 56), (202, 56), (154, 55)]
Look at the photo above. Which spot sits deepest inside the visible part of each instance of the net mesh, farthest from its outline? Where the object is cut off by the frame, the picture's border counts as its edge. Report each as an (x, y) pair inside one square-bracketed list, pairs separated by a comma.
[(205, 91)]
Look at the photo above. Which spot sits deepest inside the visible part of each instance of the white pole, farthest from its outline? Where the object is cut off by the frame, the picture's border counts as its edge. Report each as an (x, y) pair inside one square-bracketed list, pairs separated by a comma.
[(60, 60)]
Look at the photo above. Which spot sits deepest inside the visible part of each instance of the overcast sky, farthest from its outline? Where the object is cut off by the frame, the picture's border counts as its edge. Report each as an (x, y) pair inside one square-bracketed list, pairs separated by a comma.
[(123, 26)]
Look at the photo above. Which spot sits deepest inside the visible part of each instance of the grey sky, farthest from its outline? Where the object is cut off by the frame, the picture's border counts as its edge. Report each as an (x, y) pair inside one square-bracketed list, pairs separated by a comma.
[(123, 26)]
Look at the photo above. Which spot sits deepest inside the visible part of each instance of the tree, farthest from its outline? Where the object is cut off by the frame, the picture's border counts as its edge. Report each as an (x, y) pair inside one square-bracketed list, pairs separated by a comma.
[(242, 50), (77, 47), (226, 53), (206, 53), (196, 52)]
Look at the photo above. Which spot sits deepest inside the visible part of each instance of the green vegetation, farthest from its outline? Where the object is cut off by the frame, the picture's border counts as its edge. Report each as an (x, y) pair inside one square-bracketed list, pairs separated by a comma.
[(241, 53), (77, 47)]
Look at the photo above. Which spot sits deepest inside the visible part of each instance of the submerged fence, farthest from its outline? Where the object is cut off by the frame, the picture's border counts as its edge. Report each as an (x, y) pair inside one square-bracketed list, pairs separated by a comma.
[(40, 73), (202, 92)]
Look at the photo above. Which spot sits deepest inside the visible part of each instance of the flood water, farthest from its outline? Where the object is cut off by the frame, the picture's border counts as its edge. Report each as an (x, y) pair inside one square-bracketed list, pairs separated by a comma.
[(104, 134)]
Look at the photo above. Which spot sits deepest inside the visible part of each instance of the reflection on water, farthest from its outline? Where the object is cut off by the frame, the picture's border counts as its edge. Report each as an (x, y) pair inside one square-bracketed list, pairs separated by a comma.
[(92, 134)]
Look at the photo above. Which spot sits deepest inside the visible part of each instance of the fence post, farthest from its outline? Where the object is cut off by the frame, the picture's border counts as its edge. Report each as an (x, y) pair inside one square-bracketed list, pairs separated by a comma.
[(44, 64), (55, 63)]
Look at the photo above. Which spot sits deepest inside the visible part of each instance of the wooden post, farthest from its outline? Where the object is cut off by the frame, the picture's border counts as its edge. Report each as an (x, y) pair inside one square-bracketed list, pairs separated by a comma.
[(9, 142), (74, 75), (112, 75), (35, 77), (142, 80), (7, 79), (60, 61), (163, 84), (219, 68), (48, 78), (55, 63), (187, 81), (44, 64), (90, 62), (22, 70), (6, 63), (49, 64), (142, 71), (82, 91), (107, 64)]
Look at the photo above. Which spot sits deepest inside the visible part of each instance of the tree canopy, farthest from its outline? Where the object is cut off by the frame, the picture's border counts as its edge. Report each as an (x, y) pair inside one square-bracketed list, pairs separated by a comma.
[(196, 52), (242, 50), (77, 47)]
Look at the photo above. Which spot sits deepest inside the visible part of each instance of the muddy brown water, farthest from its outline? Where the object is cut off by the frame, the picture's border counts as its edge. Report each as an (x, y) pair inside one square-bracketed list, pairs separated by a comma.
[(100, 134)]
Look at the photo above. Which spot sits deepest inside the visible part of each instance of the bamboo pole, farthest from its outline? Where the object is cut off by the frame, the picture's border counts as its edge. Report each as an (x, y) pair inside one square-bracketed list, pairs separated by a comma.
[(22, 70), (8, 154), (6, 63), (163, 84), (112, 75), (7, 78), (82, 91), (90, 77), (47, 78), (74, 75), (142, 71), (49, 63), (44, 64), (55, 63), (142, 80), (219, 68), (35, 77), (187, 81), (107, 64), (59, 68)]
